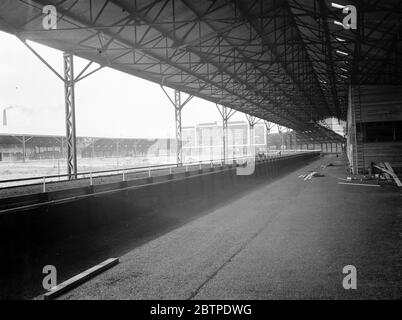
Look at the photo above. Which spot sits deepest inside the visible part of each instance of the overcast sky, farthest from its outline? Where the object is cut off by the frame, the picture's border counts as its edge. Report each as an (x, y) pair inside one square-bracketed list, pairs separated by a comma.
[(109, 103)]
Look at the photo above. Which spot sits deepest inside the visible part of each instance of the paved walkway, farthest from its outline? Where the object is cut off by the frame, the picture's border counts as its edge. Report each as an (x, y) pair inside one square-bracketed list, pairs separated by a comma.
[(288, 239)]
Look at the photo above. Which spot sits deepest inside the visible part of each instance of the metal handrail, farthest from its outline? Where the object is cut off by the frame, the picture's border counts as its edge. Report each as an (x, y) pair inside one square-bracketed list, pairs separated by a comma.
[(120, 170), (125, 171), (83, 196)]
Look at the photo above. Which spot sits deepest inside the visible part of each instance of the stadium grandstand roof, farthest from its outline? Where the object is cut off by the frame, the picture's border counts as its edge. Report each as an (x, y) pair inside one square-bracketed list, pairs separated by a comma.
[(284, 61)]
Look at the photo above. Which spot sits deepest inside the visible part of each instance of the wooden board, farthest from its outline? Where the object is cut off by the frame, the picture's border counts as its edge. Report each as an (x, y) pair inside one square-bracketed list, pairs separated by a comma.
[(389, 173), (359, 184), (80, 278), (392, 174)]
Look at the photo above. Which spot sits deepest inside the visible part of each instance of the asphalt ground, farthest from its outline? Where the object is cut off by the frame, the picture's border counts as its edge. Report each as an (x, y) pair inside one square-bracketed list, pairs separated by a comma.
[(288, 239)]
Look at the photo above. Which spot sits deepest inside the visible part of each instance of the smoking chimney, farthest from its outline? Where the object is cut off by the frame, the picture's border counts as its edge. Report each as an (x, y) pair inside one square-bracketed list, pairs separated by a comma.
[(5, 117)]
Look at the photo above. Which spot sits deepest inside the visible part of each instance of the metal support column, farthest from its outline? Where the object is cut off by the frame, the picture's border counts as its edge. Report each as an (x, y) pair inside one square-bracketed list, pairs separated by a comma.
[(268, 127), (285, 140), (290, 141), (93, 148), (178, 106), (293, 140), (226, 114), (252, 121), (252, 139), (225, 132), (23, 141), (117, 149), (24, 151), (280, 131), (69, 96), (179, 142)]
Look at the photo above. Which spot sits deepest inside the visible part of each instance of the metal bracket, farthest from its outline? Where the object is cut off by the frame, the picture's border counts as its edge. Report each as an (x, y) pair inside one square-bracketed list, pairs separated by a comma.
[(69, 94)]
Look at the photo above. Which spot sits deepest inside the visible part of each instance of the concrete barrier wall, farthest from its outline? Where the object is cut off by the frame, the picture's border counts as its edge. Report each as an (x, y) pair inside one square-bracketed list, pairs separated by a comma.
[(198, 191)]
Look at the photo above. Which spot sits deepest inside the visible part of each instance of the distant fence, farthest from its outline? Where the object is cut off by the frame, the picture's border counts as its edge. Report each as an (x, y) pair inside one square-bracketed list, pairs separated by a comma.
[(138, 169)]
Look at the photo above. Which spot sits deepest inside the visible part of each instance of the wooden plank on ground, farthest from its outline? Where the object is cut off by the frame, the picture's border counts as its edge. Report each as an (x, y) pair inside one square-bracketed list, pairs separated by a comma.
[(359, 184), (80, 278), (392, 174), (386, 172)]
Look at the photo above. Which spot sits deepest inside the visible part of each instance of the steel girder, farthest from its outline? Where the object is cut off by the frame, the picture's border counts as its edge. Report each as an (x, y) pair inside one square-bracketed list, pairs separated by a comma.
[(226, 114), (268, 127), (179, 139), (252, 121), (225, 119), (69, 95)]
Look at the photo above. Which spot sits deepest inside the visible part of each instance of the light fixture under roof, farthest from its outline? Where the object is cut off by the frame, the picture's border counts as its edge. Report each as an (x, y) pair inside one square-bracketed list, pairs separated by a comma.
[(340, 39), (337, 6), (342, 52), (338, 23)]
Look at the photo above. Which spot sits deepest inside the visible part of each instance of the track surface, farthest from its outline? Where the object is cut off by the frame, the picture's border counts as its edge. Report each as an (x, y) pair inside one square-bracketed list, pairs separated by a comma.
[(287, 239)]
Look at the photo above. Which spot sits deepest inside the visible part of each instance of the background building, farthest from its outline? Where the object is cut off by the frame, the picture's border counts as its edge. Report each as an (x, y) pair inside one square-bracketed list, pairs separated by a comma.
[(36, 147), (205, 140)]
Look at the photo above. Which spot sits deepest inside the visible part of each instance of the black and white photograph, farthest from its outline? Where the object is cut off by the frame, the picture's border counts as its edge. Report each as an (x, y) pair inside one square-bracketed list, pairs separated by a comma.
[(200, 157)]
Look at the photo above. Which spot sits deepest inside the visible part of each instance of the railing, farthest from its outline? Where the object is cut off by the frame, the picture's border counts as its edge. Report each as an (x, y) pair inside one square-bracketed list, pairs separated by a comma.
[(24, 207), (104, 173), (44, 180)]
